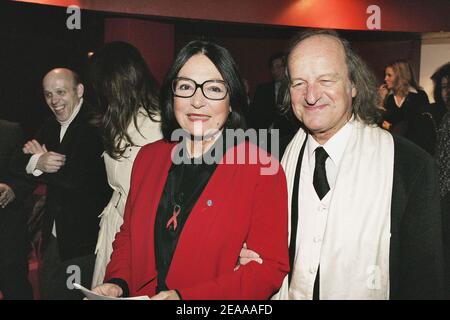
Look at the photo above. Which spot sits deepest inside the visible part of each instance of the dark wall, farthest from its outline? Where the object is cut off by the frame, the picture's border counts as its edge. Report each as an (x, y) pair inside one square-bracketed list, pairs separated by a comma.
[(35, 39), (396, 15), (251, 46), (154, 40), (381, 48)]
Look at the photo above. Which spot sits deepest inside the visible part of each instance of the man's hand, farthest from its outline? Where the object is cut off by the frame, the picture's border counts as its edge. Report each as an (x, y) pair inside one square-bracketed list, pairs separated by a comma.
[(51, 162), (34, 147), (108, 290), (6, 195), (166, 295), (247, 255)]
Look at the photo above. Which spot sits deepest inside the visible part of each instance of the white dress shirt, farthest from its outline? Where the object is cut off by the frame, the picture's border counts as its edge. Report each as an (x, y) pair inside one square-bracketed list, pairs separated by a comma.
[(313, 212)]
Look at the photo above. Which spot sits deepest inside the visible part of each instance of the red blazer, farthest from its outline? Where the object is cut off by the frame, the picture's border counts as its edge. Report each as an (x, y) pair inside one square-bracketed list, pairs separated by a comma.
[(238, 205)]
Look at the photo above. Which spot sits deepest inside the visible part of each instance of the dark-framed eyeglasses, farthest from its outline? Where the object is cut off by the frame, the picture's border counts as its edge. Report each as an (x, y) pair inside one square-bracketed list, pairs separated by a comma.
[(211, 89)]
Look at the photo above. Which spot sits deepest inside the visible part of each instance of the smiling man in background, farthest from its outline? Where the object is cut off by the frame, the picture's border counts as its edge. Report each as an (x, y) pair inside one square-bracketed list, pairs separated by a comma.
[(66, 156)]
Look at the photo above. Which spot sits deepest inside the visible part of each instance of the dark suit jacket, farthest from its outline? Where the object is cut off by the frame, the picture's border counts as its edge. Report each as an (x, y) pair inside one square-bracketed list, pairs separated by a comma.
[(262, 110), (78, 192), (416, 253), (416, 248), (13, 245), (238, 205), (446, 227), (263, 113), (11, 140)]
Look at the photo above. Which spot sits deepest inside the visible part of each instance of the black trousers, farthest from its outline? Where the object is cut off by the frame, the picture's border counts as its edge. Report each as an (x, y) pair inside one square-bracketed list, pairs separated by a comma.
[(14, 250), (57, 277), (14, 282)]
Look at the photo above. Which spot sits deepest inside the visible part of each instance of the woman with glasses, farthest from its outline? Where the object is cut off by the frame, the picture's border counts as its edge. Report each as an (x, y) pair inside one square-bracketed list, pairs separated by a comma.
[(192, 207)]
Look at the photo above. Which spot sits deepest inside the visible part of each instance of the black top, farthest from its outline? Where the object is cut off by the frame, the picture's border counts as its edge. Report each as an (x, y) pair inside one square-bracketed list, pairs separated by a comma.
[(184, 185), (413, 120), (438, 111), (414, 104)]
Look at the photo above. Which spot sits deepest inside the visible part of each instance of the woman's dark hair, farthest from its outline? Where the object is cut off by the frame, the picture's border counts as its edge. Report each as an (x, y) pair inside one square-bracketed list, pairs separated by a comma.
[(365, 104), (223, 61), (441, 72), (122, 85)]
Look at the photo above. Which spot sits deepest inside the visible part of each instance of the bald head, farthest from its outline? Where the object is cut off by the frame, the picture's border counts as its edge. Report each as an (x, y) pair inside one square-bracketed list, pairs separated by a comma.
[(320, 46), (321, 90), (62, 73), (62, 92)]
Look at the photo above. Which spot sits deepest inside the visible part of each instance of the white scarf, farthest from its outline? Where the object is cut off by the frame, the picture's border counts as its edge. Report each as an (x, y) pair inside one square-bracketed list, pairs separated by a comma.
[(354, 262)]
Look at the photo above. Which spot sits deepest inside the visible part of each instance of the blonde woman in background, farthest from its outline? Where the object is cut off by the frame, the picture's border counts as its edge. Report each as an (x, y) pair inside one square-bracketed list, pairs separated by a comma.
[(407, 107)]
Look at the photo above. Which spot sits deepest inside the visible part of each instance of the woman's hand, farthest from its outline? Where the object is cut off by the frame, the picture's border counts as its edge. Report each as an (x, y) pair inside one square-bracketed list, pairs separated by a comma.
[(109, 290), (166, 295), (383, 91), (386, 125)]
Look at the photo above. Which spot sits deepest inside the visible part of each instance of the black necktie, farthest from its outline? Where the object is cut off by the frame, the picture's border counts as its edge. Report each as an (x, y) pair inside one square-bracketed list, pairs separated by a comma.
[(322, 187), (320, 181)]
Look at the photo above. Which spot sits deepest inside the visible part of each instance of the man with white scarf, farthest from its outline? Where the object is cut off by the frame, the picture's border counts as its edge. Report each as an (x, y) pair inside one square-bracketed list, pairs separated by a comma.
[(364, 214)]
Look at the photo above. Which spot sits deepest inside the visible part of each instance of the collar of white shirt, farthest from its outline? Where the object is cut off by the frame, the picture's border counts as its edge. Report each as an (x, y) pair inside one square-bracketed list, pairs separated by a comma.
[(65, 124), (72, 116), (335, 146)]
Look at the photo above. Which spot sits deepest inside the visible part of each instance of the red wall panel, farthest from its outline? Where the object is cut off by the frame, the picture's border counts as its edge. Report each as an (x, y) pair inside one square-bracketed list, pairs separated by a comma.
[(154, 40), (409, 16)]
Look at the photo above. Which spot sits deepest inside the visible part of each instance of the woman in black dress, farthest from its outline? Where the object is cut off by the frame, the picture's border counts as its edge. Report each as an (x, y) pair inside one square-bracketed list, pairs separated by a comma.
[(407, 106)]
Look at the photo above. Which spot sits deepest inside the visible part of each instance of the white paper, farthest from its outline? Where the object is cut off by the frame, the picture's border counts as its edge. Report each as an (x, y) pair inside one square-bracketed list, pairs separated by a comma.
[(91, 295)]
